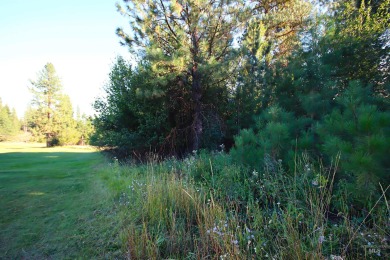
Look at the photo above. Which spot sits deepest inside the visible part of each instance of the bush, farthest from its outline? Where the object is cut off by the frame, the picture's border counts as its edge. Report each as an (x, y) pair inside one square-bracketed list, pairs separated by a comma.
[(361, 133), (277, 136)]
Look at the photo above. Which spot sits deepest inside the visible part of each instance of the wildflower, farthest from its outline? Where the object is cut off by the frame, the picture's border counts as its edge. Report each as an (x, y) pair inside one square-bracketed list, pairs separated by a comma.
[(235, 242), (250, 237), (321, 239), (314, 182)]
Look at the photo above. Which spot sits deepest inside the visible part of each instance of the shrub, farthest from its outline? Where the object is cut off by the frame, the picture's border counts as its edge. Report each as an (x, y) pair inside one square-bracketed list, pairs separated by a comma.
[(361, 133)]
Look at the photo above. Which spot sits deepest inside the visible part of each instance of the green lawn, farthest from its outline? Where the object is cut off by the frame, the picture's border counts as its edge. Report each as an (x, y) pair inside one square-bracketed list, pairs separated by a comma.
[(53, 204)]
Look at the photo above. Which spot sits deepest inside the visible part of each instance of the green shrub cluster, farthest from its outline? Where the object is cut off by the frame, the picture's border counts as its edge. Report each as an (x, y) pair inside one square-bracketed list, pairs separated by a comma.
[(356, 128)]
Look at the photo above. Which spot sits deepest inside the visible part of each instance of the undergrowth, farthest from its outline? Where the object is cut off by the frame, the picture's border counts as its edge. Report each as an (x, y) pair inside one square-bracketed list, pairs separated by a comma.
[(207, 207)]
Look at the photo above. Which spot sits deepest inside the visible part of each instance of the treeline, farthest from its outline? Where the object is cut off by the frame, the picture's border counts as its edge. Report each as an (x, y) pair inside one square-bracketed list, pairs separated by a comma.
[(50, 117), (10, 124), (269, 79)]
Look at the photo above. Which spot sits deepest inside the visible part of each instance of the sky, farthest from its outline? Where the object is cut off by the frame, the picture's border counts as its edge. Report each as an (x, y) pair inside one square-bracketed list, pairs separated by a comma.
[(76, 36)]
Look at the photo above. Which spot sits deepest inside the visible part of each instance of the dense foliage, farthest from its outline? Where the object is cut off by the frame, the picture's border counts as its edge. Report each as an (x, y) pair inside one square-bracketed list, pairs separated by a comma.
[(285, 78)]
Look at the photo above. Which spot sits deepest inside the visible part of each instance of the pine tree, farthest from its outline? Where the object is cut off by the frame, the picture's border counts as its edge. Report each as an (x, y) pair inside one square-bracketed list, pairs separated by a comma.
[(271, 36), (51, 113), (9, 122), (358, 43), (46, 90), (133, 116), (84, 128), (360, 132), (273, 31), (189, 45), (64, 125)]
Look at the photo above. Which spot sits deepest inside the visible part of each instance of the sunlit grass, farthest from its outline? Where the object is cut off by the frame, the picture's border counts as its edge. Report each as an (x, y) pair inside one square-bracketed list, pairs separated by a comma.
[(53, 204)]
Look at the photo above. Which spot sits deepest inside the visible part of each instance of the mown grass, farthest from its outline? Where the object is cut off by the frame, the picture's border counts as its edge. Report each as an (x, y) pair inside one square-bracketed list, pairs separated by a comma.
[(54, 205)]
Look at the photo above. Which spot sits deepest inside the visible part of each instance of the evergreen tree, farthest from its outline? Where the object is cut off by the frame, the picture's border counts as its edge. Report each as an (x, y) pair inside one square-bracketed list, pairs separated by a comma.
[(9, 122), (64, 125), (360, 132), (85, 129), (332, 98), (51, 113), (46, 90), (358, 43), (271, 35), (34, 124), (126, 119), (189, 45)]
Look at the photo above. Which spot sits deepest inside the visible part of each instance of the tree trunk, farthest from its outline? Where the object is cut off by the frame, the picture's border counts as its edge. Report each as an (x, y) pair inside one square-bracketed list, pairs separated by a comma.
[(197, 125), (48, 143)]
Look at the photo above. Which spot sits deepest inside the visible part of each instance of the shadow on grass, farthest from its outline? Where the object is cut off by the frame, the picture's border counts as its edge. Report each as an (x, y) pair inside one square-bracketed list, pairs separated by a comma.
[(48, 202)]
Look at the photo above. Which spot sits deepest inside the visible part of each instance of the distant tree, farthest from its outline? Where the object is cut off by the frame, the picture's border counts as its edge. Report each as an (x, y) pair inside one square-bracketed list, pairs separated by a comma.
[(46, 91), (50, 115), (9, 122), (84, 128), (64, 125)]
